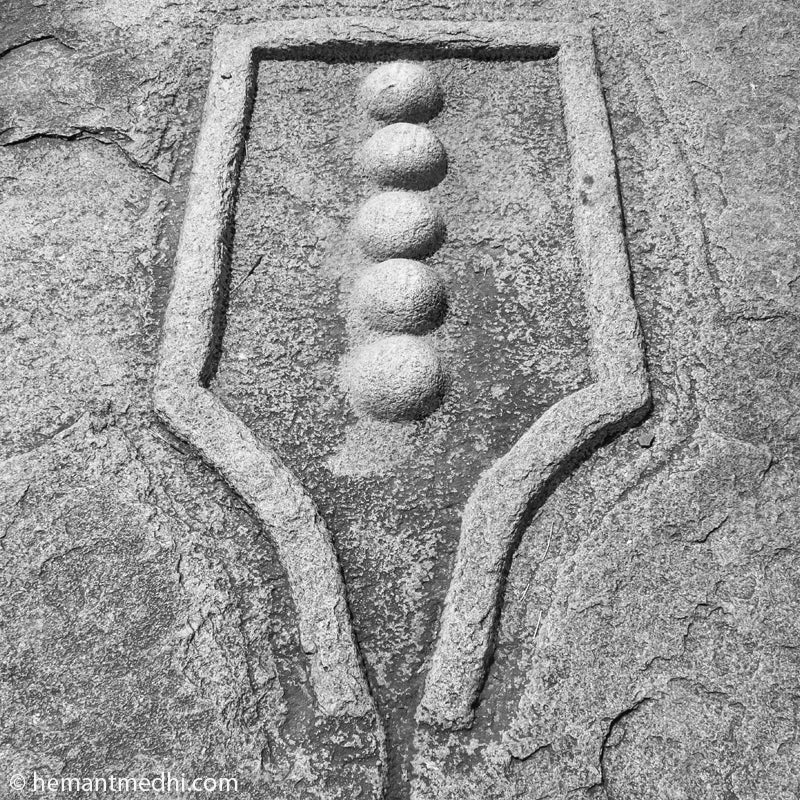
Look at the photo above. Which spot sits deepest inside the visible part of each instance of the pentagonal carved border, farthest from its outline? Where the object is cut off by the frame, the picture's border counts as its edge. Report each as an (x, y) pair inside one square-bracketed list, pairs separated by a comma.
[(498, 508)]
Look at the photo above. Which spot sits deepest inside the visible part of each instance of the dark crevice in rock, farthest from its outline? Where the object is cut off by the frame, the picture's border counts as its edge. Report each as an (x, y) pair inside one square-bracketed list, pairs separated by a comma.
[(102, 135), (46, 38)]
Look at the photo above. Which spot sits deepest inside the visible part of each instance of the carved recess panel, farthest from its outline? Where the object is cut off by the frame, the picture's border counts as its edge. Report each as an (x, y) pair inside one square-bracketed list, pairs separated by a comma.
[(401, 314)]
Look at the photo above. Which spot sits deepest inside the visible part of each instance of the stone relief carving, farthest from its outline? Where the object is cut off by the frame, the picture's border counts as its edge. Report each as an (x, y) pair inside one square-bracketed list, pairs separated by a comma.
[(647, 634), (395, 373), (400, 377)]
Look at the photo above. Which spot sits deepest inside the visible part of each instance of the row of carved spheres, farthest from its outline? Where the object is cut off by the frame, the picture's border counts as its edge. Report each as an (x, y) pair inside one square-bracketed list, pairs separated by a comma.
[(399, 376)]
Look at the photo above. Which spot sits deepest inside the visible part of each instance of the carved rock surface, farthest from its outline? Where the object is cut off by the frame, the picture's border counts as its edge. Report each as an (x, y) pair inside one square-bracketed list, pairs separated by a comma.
[(404, 156), (398, 225), (399, 296), (395, 378), (655, 598), (402, 91), (393, 492)]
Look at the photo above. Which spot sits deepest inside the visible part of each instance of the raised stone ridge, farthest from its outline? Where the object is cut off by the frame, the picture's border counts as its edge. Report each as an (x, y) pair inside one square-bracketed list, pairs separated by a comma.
[(496, 511)]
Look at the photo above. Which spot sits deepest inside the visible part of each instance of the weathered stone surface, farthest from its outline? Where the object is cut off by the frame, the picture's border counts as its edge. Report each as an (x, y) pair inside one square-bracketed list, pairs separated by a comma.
[(395, 378), (401, 91), (648, 642), (404, 156), (399, 296), (398, 224)]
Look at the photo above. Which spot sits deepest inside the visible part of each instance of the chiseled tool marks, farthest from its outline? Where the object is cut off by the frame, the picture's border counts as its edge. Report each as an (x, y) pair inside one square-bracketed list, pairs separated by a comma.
[(497, 510)]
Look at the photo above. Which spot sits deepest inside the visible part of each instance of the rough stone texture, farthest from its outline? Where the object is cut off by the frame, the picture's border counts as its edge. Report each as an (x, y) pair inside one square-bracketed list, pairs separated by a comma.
[(649, 637), (404, 156), (395, 378), (399, 296), (401, 91), (393, 493), (509, 492), (398, 224), (193, 326)]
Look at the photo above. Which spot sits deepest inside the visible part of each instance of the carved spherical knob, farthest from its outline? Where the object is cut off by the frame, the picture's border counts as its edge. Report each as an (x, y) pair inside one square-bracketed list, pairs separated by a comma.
[(395, 378), (398, 225), (402, 92), (404, 156), (400, 296)]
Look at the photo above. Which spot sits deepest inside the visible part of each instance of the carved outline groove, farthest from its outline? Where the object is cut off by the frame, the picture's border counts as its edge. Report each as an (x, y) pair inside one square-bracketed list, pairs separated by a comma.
[(499, 507)]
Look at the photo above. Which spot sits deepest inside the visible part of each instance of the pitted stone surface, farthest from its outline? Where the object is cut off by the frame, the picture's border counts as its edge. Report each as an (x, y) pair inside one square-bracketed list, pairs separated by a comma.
[(402, 91), (399, 296), (404, 156), (514, 336), (395, 378), (664, 568), (398, 224)]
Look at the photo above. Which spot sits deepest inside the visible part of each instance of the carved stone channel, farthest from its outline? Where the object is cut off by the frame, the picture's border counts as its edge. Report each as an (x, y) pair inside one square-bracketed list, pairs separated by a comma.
[(419, 322)]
